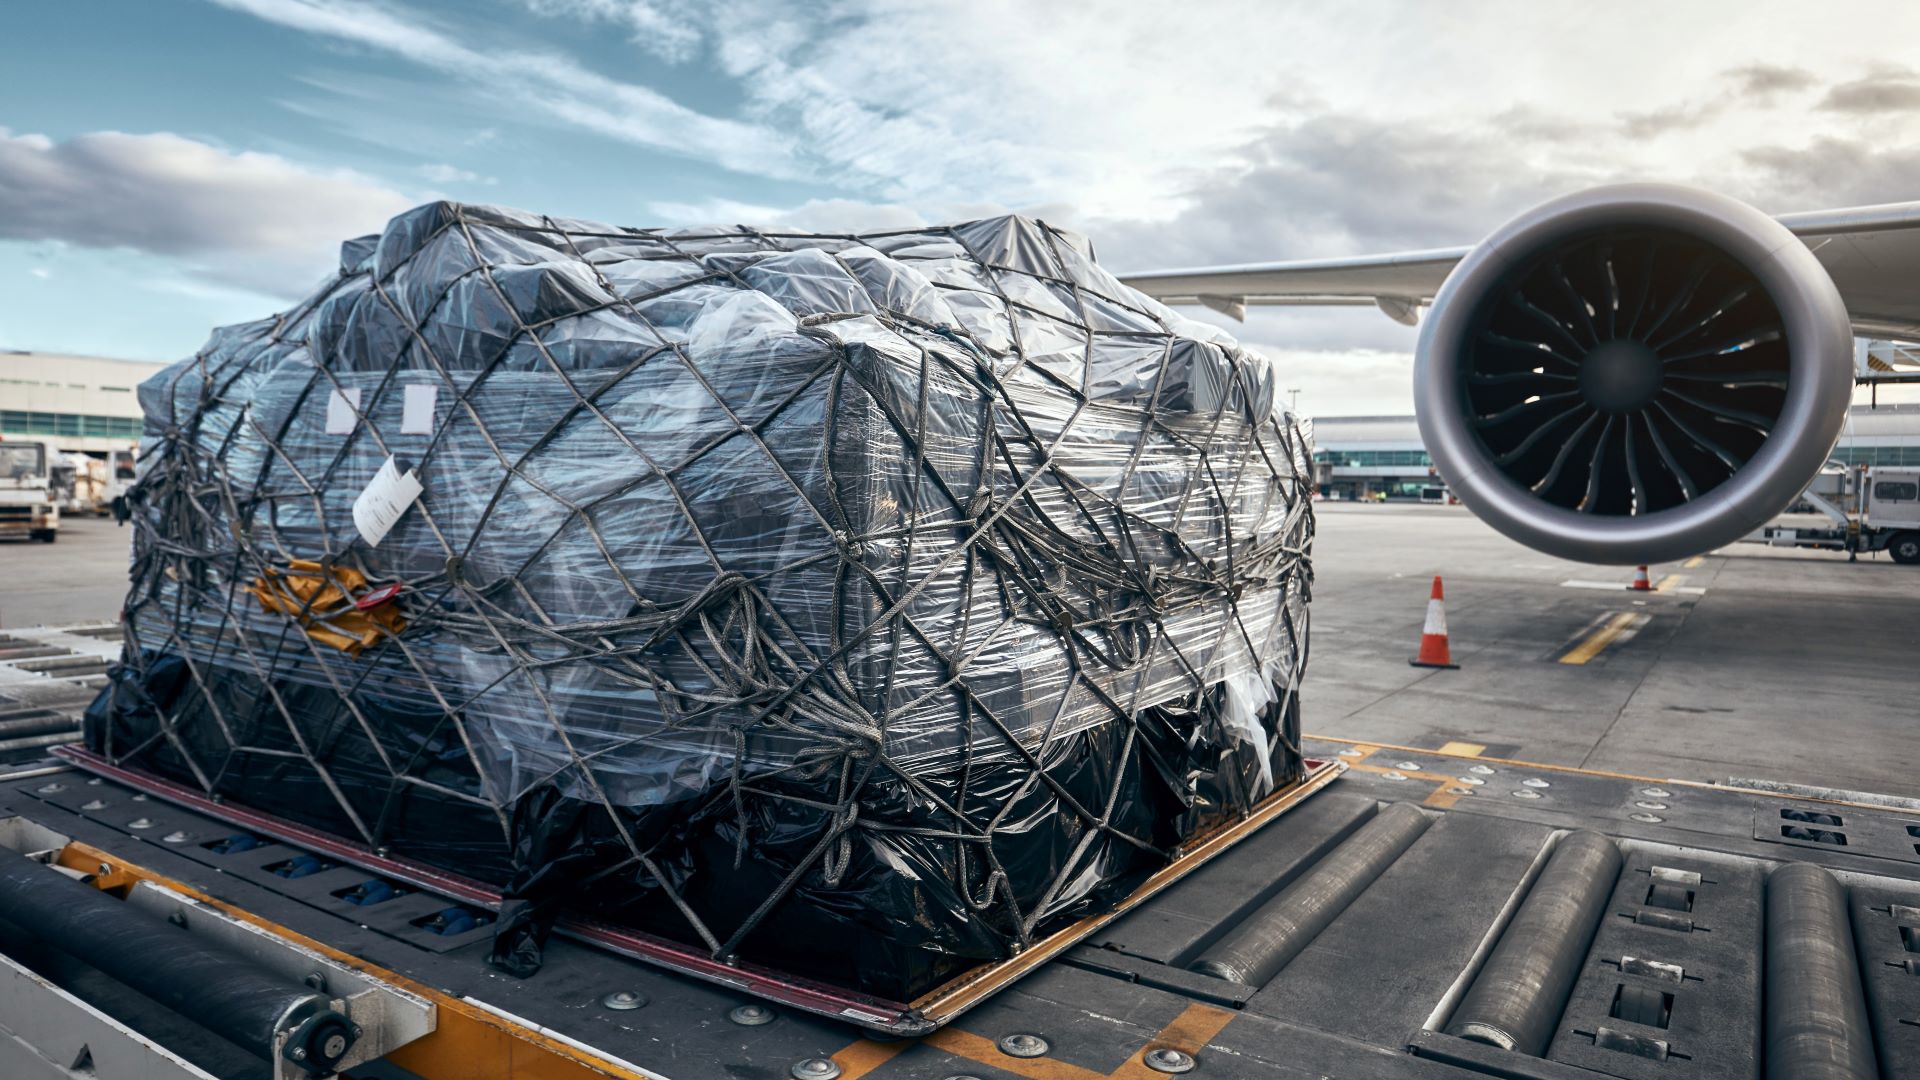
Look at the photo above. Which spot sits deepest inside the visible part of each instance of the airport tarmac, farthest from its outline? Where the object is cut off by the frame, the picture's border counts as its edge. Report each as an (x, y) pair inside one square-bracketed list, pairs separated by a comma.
[(80, 578), (1752, 662)]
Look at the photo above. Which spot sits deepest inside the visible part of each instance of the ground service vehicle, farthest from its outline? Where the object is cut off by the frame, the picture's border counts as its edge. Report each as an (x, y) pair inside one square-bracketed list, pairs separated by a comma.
[(27, 506), (1870, 509)]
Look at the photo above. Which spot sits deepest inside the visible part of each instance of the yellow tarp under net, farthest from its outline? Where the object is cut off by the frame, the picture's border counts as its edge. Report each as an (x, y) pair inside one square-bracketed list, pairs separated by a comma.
[(325, 601)]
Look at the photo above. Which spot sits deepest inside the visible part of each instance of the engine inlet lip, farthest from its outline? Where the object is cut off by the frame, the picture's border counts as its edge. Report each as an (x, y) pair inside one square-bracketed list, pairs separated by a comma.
[(1820, 376)]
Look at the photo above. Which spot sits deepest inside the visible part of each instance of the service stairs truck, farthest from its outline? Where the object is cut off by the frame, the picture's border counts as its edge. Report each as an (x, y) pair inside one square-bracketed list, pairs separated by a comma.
[(28, 507), (1867, 509)]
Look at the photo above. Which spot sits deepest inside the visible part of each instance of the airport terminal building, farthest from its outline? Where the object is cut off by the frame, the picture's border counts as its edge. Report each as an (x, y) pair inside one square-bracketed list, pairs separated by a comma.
[(1382, 456), (88, 404), (84, 404)]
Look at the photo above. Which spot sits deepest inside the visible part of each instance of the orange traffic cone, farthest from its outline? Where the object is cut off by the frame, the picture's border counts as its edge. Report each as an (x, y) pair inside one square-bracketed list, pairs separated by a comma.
[(1433, 636), (1640, 582)]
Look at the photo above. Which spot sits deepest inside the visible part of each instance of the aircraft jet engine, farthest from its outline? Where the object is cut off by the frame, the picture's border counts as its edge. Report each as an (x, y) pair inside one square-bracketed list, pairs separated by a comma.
[(1634, 373)]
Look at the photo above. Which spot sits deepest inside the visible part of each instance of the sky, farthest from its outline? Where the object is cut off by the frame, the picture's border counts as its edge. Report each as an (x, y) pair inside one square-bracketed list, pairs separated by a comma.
[(167, 166)]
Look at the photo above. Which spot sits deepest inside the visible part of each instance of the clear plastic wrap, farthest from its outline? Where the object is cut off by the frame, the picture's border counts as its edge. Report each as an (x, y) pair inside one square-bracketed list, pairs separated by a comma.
[(761, 586)]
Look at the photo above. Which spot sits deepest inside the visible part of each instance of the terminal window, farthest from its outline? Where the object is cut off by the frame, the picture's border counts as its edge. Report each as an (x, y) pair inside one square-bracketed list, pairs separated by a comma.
[(1878, 455), (1373, 459), (19, 422)]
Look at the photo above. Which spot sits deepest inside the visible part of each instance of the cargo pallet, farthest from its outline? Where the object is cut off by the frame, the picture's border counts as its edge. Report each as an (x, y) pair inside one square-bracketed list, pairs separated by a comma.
[(1686, 971)]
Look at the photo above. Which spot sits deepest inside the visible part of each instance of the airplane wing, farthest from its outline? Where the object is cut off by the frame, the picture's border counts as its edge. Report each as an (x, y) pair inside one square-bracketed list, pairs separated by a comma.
[(1871, 252)]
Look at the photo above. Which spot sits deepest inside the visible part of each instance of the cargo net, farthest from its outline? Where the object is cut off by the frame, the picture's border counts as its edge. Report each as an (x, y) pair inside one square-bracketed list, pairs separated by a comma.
[(862, 606)]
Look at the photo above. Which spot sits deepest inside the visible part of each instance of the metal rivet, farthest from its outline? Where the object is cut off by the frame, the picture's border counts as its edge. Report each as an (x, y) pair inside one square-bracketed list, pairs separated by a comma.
[(1410, 766), (1534, 781), (96, 804), (49, 789), (1523, 793), (1655, 793), (1168, 1060), (1650, 819), (140, 823), (624, 1000), (298, 1053), (1023, 1045), (1483, 770), (96, 782), (175, 837), (1470, 781), (814, 1069), (962, 1076), (1459, 791), (1651, 805), (1349, 752), (142, 797), (751, 1015), (1394, 774)]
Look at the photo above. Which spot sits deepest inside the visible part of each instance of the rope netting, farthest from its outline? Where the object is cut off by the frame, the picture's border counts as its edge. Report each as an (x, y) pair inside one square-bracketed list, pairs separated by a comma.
[(865, 604)]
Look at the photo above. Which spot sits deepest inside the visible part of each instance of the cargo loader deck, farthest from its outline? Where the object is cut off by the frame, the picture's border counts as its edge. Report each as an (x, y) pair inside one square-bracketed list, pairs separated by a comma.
[(1695, 955)]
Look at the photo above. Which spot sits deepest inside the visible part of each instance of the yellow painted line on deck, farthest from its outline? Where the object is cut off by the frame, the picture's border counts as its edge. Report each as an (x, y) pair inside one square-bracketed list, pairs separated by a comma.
[(1693, 562), (1600, 639), (1463, 749), (1440, 797), (865, 1056), (1190, 1032), (1669, 583)]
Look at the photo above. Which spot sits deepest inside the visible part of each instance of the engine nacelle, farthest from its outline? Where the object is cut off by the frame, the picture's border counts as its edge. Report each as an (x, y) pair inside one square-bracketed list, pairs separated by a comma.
[(1634, 373)]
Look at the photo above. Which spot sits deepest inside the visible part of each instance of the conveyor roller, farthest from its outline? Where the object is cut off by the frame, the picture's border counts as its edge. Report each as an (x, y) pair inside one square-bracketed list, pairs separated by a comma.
[(200, 979)]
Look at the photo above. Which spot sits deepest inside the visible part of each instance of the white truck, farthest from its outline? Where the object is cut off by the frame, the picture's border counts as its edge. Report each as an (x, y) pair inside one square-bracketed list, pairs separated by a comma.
[(27, 505), (1866, 509)]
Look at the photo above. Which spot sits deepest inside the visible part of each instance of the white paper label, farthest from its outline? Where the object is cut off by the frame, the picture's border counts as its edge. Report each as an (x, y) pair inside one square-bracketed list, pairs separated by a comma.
[(342, 411), (416, 415), (385, 499)]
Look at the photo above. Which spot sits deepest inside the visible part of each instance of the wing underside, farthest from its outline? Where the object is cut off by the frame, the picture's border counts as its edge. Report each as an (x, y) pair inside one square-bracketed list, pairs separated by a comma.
[(1872, 253)]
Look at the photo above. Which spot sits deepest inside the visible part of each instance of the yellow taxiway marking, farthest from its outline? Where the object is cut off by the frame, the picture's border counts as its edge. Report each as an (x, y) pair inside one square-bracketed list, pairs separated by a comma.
[(1600, 639), (1669, 583), (1463, 749), (1693, 562)]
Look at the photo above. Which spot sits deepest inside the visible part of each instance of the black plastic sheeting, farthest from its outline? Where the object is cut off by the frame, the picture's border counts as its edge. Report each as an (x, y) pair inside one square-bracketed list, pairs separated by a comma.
[(865, 607)]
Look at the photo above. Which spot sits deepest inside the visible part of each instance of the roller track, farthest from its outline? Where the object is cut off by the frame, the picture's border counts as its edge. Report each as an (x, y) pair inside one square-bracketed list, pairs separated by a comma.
[(1426, 916)]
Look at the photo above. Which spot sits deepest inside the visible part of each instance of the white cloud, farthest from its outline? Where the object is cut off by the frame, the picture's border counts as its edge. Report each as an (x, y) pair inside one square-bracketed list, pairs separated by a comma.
[(441, 173), (817, 215), (40, 272), (1135, 112), (648, 25), (1343, 382), (1100, 103), (263, 220), (555, 84)]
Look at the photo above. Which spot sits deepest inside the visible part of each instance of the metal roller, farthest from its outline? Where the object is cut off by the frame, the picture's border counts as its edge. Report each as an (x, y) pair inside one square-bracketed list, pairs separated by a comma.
[(1264, 942), (28, 726), (1516, 1001), (1817, 1026), (213, 986)]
